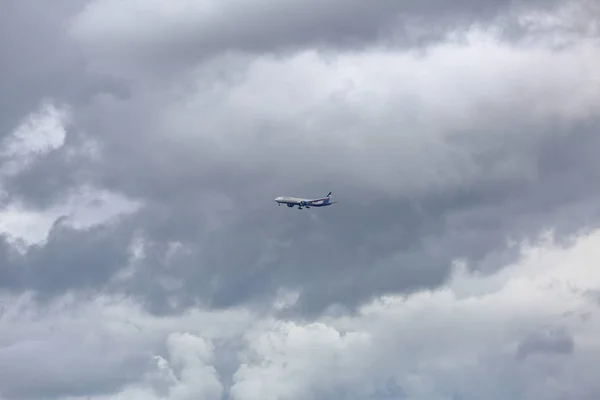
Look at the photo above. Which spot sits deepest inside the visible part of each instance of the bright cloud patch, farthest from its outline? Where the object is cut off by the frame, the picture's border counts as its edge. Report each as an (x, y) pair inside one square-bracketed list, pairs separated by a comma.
[(84, 208), (40, 133)]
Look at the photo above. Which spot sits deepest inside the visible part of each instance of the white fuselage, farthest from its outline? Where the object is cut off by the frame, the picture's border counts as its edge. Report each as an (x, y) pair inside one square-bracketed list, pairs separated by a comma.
[(291, 200), (301, 202)]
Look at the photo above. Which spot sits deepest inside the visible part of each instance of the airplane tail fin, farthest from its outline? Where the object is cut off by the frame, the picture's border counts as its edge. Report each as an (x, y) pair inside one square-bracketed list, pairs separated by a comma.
[(328, 198)]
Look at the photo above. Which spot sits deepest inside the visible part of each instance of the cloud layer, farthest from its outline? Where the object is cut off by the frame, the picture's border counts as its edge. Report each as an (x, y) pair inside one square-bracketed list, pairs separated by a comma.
[(526, 332), (142, 145)]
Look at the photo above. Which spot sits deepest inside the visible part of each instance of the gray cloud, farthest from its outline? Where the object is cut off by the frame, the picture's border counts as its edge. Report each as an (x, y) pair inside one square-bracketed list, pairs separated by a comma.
[(40, 61), (394, 230), (59, 366), (549, 341), (435, 153), (407, 242), (166, 37), (69, 260)]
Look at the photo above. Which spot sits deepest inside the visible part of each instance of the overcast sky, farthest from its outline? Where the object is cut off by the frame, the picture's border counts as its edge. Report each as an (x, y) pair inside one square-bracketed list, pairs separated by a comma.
[(142, 144)]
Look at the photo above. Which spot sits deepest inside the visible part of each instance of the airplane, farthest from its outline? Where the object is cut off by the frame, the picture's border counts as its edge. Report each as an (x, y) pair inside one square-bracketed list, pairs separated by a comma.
[(307, 203)]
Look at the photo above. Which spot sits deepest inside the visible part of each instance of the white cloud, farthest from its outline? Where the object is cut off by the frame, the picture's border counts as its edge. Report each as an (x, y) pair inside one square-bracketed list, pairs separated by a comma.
[(40, 133), (189, 375), (291, 361), (567, 24), (111, 339), (462, 339), (193, 356), (454, 340), (83, 208)]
